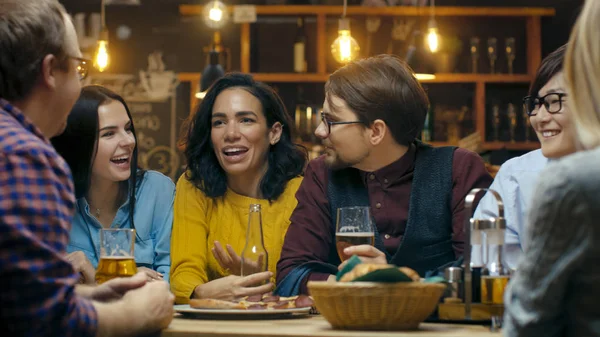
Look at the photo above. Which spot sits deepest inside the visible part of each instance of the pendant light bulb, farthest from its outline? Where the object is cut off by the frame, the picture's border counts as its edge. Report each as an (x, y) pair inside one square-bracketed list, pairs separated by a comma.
[(345, 48), (102, 58), (215, 14)]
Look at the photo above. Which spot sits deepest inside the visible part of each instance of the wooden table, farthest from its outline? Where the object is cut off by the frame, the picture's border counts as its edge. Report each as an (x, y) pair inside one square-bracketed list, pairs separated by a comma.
[(306, 326)]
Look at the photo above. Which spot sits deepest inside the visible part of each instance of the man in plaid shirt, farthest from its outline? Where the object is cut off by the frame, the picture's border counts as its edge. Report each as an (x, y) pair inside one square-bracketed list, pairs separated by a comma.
[(40, 72)]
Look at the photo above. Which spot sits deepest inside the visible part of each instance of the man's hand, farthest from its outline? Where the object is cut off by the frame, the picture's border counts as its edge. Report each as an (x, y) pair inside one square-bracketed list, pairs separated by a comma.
[(83, 266), (366, 253), (152, 305), (116, 288)]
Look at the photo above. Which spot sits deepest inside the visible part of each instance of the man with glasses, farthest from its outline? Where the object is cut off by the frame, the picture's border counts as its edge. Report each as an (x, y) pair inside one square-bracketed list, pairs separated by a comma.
[(373, 112), (40, 72), (548, 110)]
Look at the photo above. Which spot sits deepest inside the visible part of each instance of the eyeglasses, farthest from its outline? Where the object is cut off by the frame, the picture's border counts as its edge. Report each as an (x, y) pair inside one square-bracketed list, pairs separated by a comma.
[(330, 123), (552, 102), (83, 67)]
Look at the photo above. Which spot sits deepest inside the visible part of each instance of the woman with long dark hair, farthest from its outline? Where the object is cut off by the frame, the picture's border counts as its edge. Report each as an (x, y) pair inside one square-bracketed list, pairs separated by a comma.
[(239, 152), (100, 146)]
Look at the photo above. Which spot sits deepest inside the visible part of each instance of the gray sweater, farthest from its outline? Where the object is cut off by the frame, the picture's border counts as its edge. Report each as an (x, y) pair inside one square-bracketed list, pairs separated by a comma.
[(556, 289)]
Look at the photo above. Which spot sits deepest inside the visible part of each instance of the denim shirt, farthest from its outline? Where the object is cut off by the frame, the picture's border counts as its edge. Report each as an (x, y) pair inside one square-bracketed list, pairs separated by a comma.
[(153, 223)]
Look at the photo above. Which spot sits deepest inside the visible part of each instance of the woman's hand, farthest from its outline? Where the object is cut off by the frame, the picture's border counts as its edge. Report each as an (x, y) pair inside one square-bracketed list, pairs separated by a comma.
[(83, 266), (151, 275), (227, 259), (366, 253), (231, 287), (232, 263)]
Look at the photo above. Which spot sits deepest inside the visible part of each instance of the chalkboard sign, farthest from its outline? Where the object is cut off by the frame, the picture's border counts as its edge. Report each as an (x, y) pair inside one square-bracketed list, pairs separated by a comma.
[(157, 120)]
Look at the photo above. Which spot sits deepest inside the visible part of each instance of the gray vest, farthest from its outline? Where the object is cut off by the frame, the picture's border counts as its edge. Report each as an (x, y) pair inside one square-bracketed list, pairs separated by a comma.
[(427, 241)]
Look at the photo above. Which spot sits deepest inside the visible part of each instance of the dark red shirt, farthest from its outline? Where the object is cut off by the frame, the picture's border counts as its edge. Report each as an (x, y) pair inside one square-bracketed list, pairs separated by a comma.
[(309, 237)]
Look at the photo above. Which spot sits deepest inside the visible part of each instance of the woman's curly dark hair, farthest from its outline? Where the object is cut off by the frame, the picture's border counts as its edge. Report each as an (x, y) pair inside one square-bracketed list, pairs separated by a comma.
[(286, 159)]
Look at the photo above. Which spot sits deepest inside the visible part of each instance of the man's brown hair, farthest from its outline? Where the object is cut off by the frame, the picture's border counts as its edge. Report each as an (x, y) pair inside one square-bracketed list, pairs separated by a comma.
[(382, 87), (29, 30)]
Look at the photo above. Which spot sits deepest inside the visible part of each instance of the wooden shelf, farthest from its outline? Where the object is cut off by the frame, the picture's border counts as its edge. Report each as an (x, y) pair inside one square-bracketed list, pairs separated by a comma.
[(322, 78), (517, 146), (475, 78), (532, 16), (291, 77), (439, 144), (192, 10), (487, 146)]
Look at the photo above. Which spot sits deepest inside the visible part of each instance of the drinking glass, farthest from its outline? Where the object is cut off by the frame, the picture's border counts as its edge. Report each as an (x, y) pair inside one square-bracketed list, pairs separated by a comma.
[(492, 50), (354, 227), (509, 46), (116, 254)]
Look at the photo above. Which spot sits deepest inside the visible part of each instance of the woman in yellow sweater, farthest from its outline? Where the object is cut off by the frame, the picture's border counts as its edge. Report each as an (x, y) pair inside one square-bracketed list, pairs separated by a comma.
[(239, 152)]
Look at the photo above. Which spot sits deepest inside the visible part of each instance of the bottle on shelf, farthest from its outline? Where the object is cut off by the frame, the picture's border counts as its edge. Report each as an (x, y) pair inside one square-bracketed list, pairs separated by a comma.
[(300, 48), (427, 133), (304, 117)]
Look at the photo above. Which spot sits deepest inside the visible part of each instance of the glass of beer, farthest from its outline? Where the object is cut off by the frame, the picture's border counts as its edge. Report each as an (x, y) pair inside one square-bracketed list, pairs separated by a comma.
[(116, 254), (354, 227)]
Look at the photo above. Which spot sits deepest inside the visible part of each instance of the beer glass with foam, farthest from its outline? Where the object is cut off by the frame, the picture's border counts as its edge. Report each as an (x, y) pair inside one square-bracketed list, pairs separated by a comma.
[(116, 254), (354, 227)]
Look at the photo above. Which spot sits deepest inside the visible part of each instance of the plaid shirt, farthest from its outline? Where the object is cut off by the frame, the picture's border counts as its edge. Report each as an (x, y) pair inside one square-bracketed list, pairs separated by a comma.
[(37, 285)]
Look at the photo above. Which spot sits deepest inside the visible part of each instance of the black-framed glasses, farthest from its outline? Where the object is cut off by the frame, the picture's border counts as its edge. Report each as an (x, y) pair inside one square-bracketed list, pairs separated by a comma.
[(552, 102), (83, 67), (329, 123)]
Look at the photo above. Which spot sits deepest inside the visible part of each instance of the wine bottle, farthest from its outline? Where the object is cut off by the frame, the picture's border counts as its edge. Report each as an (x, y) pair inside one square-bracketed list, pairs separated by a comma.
[(300, 48), (427, 133)]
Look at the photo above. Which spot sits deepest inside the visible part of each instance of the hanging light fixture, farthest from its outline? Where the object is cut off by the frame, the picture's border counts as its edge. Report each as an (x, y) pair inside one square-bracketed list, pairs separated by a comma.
[(102, 58), (213, 70), (215, 14), (418, 58), (344, 48), (433, 36)]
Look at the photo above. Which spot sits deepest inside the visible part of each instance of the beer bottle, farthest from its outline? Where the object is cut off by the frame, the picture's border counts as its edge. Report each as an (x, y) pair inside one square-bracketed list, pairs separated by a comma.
[(255, 258)]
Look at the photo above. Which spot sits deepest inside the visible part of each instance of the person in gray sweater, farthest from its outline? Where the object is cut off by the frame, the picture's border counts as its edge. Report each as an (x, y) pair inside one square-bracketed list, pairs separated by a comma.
[(556, 288)]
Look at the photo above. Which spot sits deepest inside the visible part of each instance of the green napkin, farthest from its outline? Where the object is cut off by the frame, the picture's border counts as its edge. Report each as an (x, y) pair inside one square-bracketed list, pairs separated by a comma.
[(352, 262), (388, 275), (434, 279)]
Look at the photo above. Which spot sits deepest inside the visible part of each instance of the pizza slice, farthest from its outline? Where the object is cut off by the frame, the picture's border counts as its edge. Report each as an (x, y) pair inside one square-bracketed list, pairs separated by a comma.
[(255, 302), (211, 303)]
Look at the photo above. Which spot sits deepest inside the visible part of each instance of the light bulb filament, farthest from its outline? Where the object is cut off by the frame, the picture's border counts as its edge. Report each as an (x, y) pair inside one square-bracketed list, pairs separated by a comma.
[(433, 40), (215, 14), (101, 60), (345, 45)]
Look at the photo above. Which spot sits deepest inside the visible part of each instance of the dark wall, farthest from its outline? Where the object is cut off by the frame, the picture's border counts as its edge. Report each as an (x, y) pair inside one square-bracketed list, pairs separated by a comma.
[(156, 24)]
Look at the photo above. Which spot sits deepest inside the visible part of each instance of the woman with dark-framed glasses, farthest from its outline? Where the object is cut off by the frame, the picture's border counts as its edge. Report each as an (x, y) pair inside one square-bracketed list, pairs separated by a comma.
[(547, 106)]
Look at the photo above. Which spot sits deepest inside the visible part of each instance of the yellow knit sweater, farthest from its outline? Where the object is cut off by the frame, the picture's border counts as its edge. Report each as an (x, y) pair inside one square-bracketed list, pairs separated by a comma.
[(199, 221)]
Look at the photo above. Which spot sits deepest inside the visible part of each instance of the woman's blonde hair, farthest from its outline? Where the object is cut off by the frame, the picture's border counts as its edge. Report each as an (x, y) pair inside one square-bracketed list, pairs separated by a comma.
[(582, 71)]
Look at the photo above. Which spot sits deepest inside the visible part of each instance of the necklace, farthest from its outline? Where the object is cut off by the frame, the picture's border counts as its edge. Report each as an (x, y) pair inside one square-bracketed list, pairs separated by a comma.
[(97, 213)]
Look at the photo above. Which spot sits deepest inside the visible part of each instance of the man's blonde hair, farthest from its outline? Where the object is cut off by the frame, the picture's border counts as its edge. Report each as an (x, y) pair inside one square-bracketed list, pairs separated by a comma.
[(582, 71)]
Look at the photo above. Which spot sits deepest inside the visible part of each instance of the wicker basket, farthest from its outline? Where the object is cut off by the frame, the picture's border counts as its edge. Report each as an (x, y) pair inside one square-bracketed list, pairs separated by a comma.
[(375, 306)]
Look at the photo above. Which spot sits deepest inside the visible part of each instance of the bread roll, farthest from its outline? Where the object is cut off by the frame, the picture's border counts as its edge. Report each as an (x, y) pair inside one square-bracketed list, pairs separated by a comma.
[(410, 273), (362, 269)]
